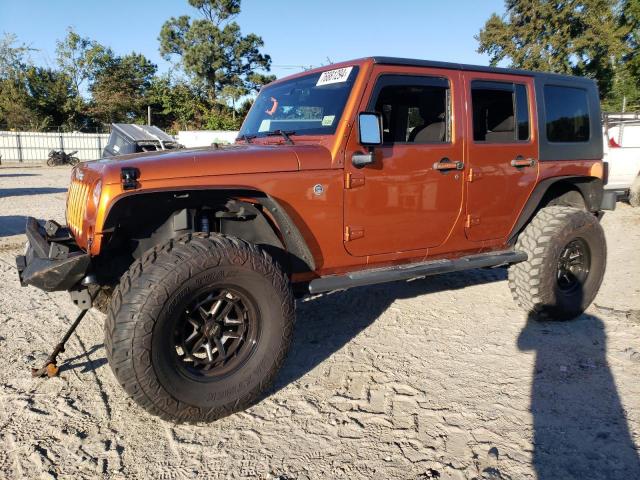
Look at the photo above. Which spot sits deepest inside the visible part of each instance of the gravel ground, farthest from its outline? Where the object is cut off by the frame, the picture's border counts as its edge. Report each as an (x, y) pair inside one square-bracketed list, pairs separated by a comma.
[(437, 378)]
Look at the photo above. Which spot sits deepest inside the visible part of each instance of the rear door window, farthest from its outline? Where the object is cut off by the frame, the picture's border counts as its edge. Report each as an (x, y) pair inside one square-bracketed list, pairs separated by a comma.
[(567, 114), (500, 112)]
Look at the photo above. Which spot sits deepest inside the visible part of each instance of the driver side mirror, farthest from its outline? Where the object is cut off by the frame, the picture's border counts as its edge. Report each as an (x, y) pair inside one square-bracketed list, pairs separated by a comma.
[(370, 129)]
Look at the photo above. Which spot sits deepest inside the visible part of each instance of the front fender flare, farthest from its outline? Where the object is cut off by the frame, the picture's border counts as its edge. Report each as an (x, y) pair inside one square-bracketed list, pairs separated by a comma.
[(293, 240)]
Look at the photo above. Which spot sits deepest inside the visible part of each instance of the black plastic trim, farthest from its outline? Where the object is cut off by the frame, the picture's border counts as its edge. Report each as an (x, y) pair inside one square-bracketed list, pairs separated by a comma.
[(590, 188), (294, 242), (413, 270), (36, 239), (553, 151), (293, 239), (609, 199)]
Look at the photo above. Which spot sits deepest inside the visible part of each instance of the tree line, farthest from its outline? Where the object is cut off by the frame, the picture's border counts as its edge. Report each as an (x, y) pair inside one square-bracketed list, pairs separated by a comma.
[(593, 38), (215, 68)]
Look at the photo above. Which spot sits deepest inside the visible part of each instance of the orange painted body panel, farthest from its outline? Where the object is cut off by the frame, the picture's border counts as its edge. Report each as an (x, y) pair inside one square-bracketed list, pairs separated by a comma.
[(318, 218), (496, 190), (407, 210), (403, 204)]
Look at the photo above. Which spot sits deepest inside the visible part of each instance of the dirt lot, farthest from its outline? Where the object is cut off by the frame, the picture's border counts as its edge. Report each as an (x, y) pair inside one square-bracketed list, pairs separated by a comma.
[(436, 378)]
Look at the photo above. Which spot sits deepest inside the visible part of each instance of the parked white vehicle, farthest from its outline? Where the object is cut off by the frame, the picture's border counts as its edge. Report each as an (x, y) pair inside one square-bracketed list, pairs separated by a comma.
[(622, 155)]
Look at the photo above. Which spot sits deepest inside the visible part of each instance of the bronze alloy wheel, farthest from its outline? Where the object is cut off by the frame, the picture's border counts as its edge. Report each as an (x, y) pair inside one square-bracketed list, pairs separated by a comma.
[(573, 266), (216, 333)]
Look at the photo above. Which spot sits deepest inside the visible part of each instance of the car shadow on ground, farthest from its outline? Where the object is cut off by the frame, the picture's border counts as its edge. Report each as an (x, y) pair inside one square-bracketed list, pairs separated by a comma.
[(326, 324), (580, 426), (12, 225), (14, 175), (18, 192)]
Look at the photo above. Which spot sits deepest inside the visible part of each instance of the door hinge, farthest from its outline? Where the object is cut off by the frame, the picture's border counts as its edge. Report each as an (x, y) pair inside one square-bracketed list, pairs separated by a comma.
[(472, 220), (353, 233), (474, 174), (353, 180)]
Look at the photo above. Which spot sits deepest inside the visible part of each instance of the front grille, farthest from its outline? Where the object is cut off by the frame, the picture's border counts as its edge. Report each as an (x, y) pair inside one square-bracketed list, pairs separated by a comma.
[(76, 206)]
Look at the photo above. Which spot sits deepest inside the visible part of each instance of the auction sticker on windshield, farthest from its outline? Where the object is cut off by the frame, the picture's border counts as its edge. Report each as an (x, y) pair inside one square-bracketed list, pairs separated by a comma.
[(339, 75), (327, 120)]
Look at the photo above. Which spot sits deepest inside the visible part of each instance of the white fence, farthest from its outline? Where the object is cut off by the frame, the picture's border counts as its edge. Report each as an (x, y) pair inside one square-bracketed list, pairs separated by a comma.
[(204, 138), (34, 147)]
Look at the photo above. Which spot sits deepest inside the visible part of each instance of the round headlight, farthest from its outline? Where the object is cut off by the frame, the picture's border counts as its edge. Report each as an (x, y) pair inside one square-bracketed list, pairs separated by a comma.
[(97, 191)]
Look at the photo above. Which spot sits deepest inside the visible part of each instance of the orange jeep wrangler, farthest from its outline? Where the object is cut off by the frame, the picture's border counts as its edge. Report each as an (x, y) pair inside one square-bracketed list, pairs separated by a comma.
[(369, 171)]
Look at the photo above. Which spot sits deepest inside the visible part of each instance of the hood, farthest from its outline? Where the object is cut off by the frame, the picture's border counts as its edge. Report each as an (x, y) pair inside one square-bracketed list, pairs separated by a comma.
[(226, 160)]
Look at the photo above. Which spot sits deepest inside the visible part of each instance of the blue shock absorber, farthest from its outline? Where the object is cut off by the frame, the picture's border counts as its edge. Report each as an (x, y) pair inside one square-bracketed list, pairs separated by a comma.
[(204, 224)]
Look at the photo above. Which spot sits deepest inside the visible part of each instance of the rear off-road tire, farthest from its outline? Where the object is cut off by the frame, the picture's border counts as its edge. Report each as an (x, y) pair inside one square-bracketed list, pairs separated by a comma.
[(634, 193), (567, 253), (199, 326)]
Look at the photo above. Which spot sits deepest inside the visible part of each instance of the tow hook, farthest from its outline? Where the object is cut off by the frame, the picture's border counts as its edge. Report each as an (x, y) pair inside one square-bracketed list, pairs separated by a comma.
[(50, 367), (83, 300)]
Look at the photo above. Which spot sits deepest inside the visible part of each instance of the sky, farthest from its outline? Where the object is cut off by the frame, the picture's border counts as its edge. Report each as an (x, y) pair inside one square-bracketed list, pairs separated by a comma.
[(296, 34)]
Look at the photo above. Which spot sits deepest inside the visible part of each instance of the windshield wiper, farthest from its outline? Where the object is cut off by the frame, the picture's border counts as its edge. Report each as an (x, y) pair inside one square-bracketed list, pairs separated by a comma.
[(284, 134), (246, 138)]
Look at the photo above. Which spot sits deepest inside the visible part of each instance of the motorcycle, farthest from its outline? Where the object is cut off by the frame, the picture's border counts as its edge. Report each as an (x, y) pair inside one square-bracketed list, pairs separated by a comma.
[(60, 157)]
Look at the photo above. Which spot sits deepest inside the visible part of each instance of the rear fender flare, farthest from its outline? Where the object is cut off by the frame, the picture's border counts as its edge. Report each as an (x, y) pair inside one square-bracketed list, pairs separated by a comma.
[(590, 188)]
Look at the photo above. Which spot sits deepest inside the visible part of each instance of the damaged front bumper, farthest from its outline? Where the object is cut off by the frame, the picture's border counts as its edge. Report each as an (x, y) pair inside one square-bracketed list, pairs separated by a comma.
[(52, 261)]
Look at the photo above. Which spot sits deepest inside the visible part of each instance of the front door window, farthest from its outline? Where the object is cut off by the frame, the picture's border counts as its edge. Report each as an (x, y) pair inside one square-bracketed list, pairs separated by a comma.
[(415, 113)]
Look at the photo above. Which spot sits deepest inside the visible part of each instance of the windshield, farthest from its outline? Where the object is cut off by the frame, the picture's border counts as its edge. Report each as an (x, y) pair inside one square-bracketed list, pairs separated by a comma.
[(309, 105)]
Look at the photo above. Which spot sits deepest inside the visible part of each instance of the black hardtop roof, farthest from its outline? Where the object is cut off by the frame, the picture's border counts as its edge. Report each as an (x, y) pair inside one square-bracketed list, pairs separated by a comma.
[(475, 68)]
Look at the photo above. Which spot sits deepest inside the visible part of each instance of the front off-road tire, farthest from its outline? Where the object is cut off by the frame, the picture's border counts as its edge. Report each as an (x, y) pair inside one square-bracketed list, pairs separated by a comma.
[(198, 327), (567, 258)]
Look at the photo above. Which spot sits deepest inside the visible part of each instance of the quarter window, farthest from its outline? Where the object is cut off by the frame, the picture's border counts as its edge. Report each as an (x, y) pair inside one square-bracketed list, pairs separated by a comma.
[(500, 112), (414, 109), (567, 114)]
